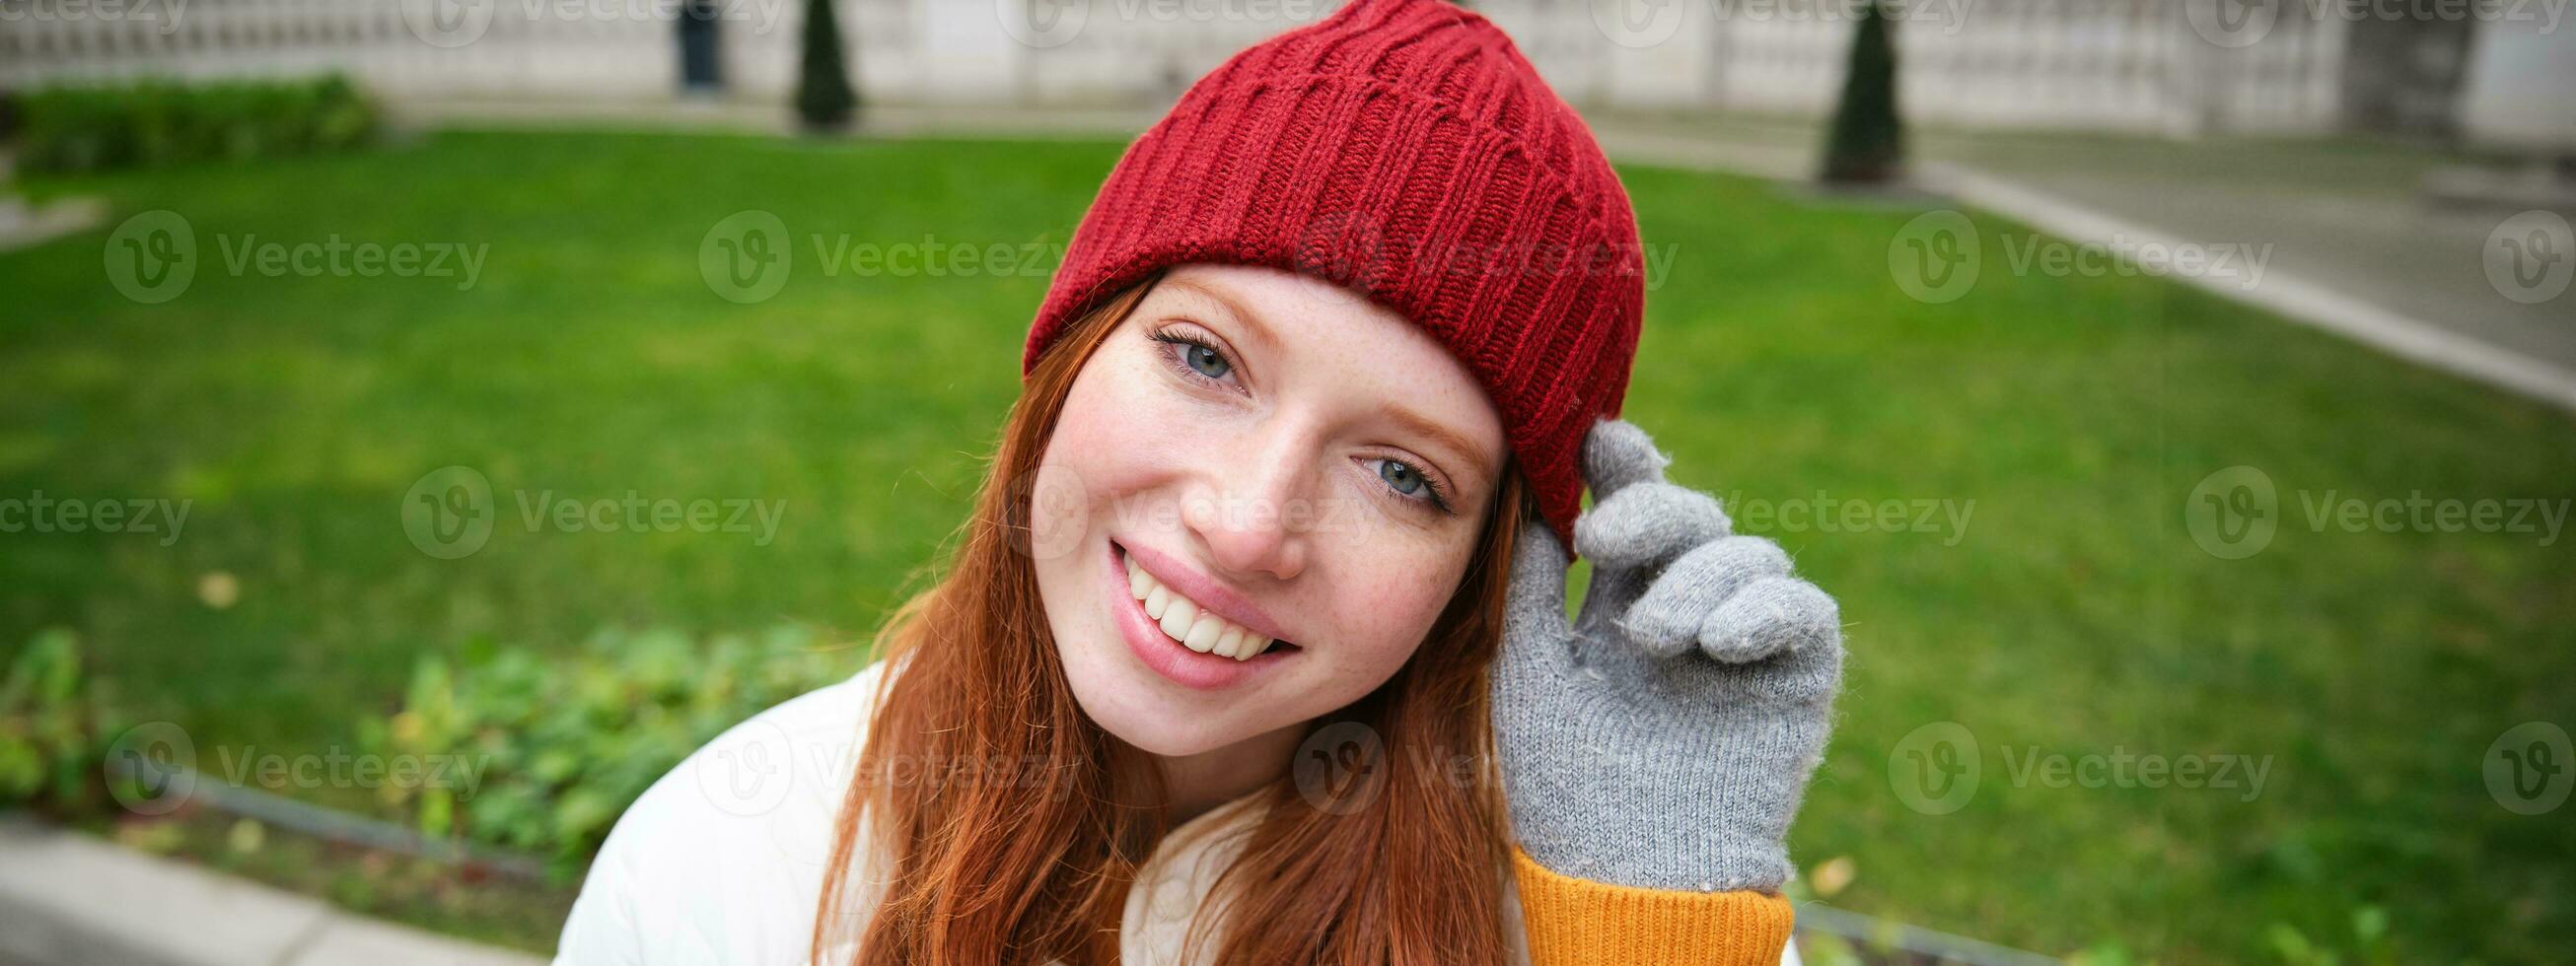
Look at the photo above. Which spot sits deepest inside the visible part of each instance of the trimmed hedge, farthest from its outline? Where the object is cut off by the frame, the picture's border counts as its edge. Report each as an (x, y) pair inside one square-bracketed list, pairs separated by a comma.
[(158, 123)]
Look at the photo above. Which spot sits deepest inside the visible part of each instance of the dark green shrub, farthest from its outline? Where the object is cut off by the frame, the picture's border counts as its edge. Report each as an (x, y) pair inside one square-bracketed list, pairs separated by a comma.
[(158, 123), (824, 100), (1867, 144)]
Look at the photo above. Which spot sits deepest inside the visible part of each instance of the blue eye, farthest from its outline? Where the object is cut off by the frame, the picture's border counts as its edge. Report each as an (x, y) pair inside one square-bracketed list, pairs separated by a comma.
[(1197, 357), (1206, 361), (1403, 478), (1408, 481)]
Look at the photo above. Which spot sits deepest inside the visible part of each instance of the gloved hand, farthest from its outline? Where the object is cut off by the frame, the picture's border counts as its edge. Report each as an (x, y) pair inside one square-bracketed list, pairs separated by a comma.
[(1662, 739)]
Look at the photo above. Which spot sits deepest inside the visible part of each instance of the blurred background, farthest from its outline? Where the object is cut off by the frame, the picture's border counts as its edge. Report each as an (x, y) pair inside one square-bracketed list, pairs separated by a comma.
[(422, 422)]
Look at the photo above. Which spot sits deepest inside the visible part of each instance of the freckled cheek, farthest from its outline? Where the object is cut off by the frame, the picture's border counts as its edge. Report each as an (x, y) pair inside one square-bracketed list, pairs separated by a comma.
[(1386, 617), (1109, 440), (1126, 433)]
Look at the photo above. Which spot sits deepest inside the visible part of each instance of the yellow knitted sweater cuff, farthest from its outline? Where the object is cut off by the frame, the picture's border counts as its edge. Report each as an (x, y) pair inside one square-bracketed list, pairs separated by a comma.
[(1577, 922)]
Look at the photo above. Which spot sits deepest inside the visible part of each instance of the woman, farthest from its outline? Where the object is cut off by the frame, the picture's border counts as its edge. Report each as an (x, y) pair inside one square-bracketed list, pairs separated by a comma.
[(1256, 649)]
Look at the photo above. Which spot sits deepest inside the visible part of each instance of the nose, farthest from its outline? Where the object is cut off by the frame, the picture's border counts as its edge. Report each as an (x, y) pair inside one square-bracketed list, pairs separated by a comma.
[(1254, 511)]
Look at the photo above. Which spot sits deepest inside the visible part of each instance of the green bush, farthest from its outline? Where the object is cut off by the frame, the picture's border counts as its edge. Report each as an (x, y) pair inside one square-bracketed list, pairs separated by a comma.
[(50, 728), (158, 123), (561, 746)]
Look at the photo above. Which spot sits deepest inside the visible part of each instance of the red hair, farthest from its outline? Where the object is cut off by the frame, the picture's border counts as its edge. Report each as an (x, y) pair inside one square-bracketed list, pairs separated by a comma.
[(1404, 866)]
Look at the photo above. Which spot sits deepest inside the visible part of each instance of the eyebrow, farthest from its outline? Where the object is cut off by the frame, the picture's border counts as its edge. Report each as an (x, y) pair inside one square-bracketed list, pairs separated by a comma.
[(1251, 320), (1458, 445)]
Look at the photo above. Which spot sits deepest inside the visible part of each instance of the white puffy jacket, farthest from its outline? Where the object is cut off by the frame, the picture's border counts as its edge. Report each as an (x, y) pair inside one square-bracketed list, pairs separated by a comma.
[(721, 861)]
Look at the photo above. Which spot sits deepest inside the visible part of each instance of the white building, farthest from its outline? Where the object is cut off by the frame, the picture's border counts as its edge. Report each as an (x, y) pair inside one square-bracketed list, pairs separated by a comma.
[(2498, 67)]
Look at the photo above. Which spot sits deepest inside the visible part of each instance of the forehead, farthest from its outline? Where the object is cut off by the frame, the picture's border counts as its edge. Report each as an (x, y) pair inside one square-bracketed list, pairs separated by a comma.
[(1307, 337)]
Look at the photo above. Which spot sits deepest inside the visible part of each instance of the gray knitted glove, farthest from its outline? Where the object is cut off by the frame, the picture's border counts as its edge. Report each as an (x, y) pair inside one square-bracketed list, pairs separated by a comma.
[(1664, 737)]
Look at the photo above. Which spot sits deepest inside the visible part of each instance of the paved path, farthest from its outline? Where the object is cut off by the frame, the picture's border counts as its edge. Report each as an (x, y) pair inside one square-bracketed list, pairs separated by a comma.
[(67, 899), (2354, 220)]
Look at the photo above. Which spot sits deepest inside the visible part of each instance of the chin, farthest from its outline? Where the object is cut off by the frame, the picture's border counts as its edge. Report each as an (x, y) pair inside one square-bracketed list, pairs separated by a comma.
[(1129, 702)]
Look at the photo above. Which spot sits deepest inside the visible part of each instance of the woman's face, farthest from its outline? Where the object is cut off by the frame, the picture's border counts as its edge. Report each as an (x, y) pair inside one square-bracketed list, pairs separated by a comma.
[(1257, 455)]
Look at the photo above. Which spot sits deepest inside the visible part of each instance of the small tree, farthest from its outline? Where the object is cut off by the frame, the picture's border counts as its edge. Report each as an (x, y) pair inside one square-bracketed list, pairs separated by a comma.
[(1867, 143), (824, 100)]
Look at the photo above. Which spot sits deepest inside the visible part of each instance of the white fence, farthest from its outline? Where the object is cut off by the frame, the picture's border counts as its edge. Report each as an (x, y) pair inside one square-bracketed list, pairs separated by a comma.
[(2109, 64)]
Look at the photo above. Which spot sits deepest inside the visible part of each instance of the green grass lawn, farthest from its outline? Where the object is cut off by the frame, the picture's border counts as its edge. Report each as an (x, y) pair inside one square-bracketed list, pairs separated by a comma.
[(2067, 420)]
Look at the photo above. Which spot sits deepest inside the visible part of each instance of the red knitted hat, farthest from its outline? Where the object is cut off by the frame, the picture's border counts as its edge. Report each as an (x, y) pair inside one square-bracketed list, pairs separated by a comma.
[(1406, 150)]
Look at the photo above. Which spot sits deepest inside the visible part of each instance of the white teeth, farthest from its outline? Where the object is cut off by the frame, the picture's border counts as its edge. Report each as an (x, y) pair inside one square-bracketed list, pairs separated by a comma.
[(1203, 634), (1178, 618), (1184, 621)]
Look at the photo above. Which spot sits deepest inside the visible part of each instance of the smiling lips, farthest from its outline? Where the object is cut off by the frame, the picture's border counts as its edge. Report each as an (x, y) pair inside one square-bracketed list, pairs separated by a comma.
[(1193, 626)]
